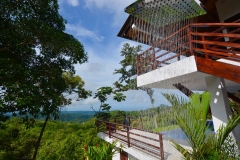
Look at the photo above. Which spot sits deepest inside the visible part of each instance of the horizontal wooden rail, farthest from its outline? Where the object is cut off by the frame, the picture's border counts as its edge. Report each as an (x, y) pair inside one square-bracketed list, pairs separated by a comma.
[(130, 138), (217, 34), (224, 44), (210, 40), (215, 25)]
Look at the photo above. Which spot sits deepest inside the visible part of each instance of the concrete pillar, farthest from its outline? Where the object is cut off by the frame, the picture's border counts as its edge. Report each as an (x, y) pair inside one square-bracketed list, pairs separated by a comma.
[(219, 103)]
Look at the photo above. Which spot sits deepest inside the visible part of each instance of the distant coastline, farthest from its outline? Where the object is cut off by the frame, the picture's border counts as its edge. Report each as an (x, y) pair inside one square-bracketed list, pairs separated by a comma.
[(76, 116)]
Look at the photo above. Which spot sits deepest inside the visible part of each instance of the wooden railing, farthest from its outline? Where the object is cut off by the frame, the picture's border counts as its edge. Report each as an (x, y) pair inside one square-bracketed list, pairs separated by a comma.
[(133, 137), (206, 40)]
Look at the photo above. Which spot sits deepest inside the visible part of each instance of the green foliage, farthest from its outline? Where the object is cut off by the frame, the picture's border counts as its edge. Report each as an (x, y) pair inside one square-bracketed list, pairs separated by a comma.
[(118, 113), (128, 68), (74, 85), (34, 52), (104, 108), (229, 149), (128, 73), (104, 151), (191, 117), (61, 140)]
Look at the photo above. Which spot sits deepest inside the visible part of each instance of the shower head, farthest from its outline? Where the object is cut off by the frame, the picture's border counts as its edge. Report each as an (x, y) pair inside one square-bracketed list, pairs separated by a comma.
[(164, 12)]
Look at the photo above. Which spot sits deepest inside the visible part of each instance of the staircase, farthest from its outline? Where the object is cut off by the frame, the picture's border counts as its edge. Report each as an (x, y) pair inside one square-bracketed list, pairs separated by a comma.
[(216, 47)]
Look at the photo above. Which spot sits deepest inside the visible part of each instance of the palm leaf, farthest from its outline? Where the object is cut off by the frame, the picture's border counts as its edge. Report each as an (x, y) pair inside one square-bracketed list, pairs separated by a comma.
[(224, 131), (191, 117), (185, 153)]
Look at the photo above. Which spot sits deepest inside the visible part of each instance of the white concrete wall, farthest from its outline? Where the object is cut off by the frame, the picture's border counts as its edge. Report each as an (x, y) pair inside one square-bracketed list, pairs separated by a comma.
[(219, 103), (168, 75)]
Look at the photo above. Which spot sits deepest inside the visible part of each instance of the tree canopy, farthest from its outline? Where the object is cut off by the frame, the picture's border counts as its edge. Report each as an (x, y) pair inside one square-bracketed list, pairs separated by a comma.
[(35, 50), (102, 95)]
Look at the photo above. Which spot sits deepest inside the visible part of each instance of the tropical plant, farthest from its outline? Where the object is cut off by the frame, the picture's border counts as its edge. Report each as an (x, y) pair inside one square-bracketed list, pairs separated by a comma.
[(192, 117), (104, 151), (104, 108)]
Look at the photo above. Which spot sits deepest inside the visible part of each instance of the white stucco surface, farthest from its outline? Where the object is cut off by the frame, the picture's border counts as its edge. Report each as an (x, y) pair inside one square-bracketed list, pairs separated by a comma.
[(184, 72)]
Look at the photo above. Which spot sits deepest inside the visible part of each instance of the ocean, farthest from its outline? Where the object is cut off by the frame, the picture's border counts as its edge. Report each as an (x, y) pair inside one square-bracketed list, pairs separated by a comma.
[(76, 116)]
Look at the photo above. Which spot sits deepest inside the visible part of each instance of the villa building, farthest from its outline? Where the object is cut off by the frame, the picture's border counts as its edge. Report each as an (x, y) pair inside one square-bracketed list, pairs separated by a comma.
[(193, 43)]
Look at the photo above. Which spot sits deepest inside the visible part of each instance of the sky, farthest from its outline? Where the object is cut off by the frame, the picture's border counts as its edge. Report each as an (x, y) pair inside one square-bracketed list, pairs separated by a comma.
[(96, 23)]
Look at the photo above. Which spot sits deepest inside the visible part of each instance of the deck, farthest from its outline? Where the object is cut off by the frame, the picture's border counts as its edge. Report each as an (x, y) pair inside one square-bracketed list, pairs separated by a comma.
[(151, 144), (215, 51)]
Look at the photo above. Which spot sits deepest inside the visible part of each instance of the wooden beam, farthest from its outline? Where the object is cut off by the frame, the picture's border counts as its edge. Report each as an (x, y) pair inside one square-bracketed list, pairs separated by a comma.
[(218, 53), (215, 25), (220, 69), (216, 34), (183, 89), (218, 43), (234, 98)]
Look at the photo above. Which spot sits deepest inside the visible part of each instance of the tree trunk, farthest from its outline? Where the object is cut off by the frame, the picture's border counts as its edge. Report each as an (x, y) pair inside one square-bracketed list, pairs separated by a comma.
[(155, 118), (150, 94), (39, 138)]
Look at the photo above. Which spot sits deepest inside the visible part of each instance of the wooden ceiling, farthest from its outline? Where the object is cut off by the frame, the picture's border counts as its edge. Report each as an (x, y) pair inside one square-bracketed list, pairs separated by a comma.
[(211, 16)]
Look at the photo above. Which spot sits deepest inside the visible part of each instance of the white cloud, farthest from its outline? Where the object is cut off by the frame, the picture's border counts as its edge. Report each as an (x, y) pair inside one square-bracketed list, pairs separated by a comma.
[(80, 31), (115, 7), (90, 101), (73, 3)]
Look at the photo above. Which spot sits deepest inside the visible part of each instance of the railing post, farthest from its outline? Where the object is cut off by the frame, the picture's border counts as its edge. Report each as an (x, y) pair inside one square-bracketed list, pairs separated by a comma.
[(128, 138), (161, 146), (190, 40), (205, 48), (129, 120), (137, 64)]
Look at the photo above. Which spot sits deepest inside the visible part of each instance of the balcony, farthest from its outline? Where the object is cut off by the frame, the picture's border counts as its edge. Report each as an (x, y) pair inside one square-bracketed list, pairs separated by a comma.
[(139, 143), (193, 52), (149, 142)]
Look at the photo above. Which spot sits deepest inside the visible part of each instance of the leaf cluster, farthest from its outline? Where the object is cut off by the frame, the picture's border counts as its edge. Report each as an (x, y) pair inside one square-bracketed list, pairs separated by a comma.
[(102, 95), (128, 70), (34, 53), (104, 151), (192, 117)]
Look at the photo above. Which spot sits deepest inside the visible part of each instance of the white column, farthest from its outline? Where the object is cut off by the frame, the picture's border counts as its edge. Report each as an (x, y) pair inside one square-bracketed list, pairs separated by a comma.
[(219, 103)]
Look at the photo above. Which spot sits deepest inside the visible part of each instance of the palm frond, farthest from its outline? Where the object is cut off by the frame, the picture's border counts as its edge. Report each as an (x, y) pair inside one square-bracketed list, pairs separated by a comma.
[(224, 131), (185, 153)]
